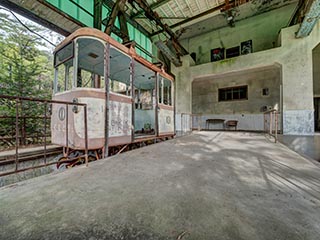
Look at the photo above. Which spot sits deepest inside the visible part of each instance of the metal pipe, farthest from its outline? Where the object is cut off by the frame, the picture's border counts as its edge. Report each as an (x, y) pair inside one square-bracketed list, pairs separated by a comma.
[(45, 133), (17, 133), (105, 152), (40, 100), (67, 128)]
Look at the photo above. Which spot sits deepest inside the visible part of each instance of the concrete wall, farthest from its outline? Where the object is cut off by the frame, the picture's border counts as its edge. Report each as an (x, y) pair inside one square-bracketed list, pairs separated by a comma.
[(21, 176), (249, 113), (205, 92), (295, 58), (262, 29)]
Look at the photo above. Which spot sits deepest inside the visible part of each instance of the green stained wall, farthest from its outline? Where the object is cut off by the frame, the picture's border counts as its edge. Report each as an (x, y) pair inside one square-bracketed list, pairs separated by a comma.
[(86, 17)]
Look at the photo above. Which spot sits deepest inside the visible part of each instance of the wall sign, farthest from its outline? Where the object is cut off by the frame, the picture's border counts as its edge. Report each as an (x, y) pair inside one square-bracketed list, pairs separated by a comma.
[(217, 54), (246, 47), (62, 113), (233, 52)]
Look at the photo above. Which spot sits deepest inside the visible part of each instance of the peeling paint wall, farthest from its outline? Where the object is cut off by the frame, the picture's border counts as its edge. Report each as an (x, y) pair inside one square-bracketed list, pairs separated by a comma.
[(262, 29), (205, 92)]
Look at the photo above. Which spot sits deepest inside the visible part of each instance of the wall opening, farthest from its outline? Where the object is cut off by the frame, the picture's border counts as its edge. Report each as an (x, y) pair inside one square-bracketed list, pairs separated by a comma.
[(316, 86), (243, 96)]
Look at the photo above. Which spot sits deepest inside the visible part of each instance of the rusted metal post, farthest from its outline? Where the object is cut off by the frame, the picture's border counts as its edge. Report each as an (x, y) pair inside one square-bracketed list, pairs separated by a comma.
[(86, 134), (67, 127), (23, 131), (270, 124), (45, 132), (276, 127), (105, 152), (17, 134)]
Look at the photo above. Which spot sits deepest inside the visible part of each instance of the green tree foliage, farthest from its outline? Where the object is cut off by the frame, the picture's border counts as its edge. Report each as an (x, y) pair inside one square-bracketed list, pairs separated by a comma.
[(25, 70)]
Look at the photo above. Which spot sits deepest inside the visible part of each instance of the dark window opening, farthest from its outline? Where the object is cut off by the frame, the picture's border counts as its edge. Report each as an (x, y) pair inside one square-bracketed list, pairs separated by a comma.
[(265, 92), (233, 93)]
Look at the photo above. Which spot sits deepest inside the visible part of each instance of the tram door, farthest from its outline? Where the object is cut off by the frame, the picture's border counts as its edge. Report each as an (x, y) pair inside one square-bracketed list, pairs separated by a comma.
[(317, 114), (144, 82)]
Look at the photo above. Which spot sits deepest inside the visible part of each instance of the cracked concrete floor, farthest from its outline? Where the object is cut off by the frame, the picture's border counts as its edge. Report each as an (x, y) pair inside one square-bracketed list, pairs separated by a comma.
[(208, 185)]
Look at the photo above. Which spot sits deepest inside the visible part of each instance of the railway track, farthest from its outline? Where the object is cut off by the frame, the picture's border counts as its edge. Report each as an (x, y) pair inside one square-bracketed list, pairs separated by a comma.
[(28, 154)]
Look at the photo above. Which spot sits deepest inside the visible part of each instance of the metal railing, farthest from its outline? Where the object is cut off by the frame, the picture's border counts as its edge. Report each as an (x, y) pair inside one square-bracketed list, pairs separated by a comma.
[(190, 122), (271, 121), (18, 132), (31, 134)]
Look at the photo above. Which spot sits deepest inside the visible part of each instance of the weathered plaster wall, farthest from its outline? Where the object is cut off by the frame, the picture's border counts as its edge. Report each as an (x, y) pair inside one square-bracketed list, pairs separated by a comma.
[(248, 113), (295, 57), (205, 92), (262, 29)]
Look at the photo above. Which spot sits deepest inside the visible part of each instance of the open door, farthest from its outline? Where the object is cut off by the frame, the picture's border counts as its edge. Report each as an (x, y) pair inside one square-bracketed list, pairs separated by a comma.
[(317, 114), (144, 101)]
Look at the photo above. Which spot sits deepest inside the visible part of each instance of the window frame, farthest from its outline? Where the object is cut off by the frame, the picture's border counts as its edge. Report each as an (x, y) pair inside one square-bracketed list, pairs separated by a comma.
[(162, 93), (232, 93), (55, 64), (76, 62)]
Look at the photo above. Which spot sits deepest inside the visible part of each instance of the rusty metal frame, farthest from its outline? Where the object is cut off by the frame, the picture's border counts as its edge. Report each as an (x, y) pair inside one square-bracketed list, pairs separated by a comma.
[(18, 100), (191, 121), (271, 126)]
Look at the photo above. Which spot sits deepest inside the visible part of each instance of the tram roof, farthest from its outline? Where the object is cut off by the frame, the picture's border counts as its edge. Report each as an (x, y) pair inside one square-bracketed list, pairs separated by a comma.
[(91, 32)]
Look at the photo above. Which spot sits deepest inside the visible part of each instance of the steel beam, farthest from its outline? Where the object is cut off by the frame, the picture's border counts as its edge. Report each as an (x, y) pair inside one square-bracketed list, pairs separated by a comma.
[(110, 4), (118, 11), (97, 14), (310, 20), (192, 18), (36, 18), (153, 16)]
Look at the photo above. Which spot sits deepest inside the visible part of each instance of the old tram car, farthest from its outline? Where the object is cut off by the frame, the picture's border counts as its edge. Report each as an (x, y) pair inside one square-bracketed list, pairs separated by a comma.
[(123, 91)]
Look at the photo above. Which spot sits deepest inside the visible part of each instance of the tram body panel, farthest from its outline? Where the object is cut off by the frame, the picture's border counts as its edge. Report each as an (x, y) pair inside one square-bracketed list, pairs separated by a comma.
[(120, 119), (166, 120), (121, 89), (95, 114)]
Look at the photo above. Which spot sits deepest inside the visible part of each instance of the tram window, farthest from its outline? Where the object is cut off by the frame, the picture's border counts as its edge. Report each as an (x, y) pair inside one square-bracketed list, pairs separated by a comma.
[(119, 87), (64, 76), (64, 54), (167, 92), (160, 93), (119, 81), (145, 85), (90, 69)]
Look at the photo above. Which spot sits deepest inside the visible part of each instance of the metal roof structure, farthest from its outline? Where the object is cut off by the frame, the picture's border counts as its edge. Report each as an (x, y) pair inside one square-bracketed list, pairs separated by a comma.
[(156, 19)]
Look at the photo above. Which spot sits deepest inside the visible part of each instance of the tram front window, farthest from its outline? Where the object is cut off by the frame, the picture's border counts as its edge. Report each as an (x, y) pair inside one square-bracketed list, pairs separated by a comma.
[(90, 62), (119, 81), (63, 61)]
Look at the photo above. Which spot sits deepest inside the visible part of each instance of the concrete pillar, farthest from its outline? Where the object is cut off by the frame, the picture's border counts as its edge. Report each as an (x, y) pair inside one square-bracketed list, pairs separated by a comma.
[(183, 90)]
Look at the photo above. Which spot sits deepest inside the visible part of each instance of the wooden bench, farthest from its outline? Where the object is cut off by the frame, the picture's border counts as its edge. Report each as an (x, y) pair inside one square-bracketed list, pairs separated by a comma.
[(232, 123)]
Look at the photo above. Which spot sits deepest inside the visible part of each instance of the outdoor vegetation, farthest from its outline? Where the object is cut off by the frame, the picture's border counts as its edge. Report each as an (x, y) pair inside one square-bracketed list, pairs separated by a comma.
[(26, 71)]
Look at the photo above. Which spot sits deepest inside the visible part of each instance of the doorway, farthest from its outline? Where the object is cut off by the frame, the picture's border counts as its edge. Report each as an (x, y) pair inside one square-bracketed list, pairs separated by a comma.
[(317, 114)]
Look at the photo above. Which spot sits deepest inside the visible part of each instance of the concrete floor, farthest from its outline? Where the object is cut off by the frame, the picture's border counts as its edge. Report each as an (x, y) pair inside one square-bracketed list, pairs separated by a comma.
[(209, 185)]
